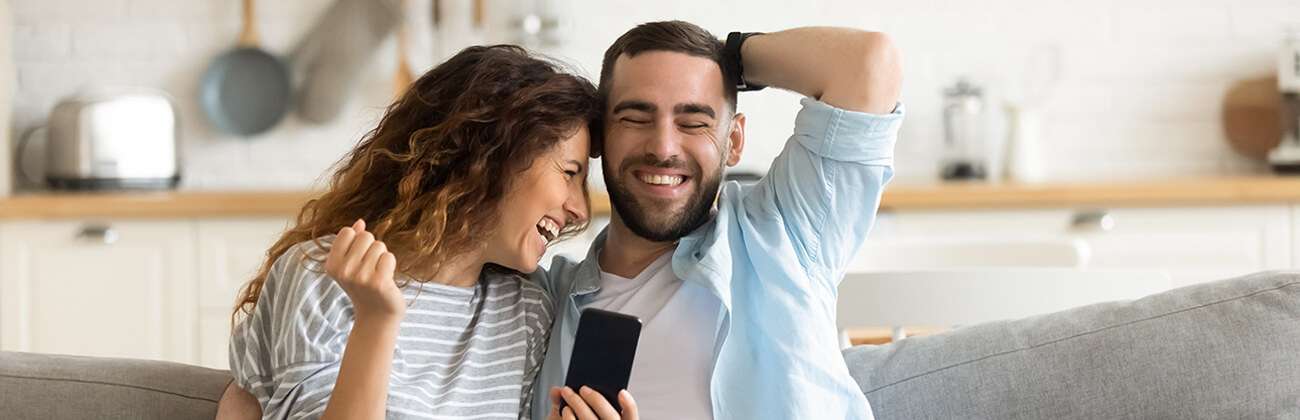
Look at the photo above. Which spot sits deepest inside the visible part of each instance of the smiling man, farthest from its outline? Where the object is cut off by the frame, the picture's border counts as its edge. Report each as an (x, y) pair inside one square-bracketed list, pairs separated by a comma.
[(736, 286)]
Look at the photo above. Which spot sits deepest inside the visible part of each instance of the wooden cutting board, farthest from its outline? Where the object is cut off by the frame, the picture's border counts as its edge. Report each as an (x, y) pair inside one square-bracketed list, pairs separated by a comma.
[(1251, 116)]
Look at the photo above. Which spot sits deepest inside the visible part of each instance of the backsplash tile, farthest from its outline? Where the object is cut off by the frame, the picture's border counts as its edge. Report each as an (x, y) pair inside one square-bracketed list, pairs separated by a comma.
[(1138, 97)]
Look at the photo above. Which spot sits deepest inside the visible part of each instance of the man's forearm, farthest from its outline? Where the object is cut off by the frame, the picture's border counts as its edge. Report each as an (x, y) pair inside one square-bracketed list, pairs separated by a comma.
[(846, 68)]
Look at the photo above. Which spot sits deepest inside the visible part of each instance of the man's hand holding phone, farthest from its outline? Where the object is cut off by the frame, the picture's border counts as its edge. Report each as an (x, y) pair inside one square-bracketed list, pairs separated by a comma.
[(587, 404)]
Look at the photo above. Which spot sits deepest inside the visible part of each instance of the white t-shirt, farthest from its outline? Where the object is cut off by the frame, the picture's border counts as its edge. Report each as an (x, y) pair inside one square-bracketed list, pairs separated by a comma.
[(679, 330)]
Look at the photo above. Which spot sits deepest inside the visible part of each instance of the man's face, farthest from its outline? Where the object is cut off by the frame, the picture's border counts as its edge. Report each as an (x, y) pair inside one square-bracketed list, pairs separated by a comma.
[(668, 135)]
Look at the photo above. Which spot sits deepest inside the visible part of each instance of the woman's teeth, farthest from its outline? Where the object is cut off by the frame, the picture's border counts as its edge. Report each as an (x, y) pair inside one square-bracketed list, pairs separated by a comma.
[(548, 229), (662, 179)]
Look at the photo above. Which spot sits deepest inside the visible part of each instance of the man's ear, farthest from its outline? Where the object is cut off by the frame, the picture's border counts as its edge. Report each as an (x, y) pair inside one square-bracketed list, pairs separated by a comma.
[(736, 139)]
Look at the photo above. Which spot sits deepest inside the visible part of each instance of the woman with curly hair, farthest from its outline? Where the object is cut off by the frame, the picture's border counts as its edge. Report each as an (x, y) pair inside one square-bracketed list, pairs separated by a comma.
[(418, 308)]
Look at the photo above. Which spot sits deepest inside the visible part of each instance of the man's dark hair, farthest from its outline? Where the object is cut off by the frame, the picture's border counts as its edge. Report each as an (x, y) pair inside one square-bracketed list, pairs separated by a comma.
[(674, 36)]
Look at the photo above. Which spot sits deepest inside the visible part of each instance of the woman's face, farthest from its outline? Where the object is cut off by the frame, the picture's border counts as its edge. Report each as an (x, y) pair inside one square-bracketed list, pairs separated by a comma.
[(546, 197)]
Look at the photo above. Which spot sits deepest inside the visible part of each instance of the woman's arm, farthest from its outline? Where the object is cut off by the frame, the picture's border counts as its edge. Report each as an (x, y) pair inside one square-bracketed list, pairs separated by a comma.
[(361, 390), (364, 269), (238, 404)]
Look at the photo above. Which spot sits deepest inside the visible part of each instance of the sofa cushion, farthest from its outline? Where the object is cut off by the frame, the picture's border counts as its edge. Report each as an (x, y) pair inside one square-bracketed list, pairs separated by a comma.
[(55, 387), (1226, 349)]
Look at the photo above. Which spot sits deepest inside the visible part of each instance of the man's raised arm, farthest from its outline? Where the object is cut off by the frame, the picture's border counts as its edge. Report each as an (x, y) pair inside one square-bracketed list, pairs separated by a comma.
[(846, 68)]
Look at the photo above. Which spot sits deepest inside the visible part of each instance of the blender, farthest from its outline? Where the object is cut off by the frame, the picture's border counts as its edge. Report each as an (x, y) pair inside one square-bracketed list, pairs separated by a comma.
[(964, 132), (1285, 158)]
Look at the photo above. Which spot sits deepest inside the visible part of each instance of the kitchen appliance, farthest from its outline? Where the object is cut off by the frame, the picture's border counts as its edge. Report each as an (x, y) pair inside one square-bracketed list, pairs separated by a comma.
[(112, 139), (964, 132), (1286, 157), (7, 82)]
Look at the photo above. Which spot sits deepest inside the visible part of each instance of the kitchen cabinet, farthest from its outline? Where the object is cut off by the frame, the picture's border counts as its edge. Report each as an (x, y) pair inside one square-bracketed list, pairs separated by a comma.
[(1295, 237), (160, 289), (98, 288), (230, 251), (1193, 244), (161, 285)]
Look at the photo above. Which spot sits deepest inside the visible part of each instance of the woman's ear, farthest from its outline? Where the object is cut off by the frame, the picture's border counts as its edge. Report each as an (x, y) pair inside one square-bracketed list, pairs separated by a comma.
[(736, 139)]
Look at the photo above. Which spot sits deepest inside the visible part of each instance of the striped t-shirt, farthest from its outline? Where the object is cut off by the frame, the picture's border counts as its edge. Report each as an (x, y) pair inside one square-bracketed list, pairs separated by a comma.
[(462, 352)]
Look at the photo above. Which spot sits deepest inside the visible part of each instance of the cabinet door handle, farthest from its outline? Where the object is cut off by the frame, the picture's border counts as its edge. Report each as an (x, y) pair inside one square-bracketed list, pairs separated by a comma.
[(1093, 221), (98, 233)]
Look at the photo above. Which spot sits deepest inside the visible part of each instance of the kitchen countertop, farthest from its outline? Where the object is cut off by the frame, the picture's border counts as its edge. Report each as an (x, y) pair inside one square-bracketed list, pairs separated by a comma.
[(938, 196), (173, 204), (1237, 190)]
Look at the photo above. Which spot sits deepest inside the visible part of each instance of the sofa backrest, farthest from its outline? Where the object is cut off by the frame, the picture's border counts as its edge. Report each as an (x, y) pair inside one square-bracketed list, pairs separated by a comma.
[(57, 387), (1226, 349)]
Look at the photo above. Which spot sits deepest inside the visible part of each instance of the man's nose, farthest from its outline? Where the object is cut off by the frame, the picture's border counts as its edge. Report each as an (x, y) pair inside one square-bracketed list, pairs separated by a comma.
[(665, 142)]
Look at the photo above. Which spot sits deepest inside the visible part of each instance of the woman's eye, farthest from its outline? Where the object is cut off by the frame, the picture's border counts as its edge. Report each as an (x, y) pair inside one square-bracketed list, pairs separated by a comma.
[(635, 121), (571, 173)]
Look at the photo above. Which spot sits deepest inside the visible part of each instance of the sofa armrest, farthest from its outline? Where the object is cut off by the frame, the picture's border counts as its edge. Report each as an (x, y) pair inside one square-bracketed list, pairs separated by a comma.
[(1222, 349), (56, 387)]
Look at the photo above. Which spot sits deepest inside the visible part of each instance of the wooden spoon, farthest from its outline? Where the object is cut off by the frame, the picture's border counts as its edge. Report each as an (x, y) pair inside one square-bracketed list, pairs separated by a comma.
[(1251, 116), (402, 80)]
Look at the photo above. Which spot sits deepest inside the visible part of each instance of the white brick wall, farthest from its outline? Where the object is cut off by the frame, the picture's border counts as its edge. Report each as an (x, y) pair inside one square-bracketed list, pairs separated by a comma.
[(1139, 96)]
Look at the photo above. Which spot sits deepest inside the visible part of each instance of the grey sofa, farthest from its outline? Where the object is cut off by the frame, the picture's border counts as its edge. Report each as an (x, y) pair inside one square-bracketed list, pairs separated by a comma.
[(56, 387), (1228, 349)]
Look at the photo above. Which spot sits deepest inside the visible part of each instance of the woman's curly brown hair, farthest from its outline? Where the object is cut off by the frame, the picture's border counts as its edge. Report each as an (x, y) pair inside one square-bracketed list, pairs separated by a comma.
[(429, 178)]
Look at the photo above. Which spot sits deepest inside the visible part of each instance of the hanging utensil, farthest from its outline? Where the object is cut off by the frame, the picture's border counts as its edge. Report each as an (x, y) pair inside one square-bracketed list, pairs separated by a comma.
[(245, 91), (479, 14), (402, 80), (334, 52)]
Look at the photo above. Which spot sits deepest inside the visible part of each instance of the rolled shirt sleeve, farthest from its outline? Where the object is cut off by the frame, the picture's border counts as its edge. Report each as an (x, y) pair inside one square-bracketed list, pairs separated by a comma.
[(826, 184)]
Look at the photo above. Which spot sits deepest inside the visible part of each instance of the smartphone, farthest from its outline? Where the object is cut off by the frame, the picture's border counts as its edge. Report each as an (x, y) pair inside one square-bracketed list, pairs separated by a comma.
[(602, 353)]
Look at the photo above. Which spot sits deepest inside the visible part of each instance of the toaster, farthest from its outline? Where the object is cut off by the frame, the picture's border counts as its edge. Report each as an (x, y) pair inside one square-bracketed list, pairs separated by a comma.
[(113, 139)]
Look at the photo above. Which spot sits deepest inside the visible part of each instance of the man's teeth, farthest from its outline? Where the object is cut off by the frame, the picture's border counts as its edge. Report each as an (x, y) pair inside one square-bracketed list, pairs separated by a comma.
[(548, 229), (662, 179)]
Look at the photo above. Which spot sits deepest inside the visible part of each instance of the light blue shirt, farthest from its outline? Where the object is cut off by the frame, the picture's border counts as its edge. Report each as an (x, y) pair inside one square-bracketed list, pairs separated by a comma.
[(773, 254)]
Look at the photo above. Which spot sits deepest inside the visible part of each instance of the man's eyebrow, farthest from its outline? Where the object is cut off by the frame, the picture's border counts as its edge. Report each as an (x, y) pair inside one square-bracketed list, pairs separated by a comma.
[(634, 105), (694, 108)]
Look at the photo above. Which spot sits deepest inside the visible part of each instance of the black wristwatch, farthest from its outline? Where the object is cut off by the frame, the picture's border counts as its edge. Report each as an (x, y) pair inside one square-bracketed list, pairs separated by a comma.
[(731, 53)]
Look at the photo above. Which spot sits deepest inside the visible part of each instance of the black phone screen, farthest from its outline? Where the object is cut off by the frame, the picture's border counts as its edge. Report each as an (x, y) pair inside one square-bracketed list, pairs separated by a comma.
[(602, 353)]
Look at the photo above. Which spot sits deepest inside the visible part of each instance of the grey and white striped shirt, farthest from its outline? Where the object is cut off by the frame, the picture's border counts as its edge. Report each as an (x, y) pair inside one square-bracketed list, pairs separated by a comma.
[(464, 353)]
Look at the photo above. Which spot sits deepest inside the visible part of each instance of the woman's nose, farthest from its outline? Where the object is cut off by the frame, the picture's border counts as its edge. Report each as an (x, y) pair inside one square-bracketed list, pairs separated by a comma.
[(575, 207)]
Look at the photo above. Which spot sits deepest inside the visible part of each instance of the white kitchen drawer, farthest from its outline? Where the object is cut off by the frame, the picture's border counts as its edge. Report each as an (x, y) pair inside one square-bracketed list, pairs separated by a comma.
[(1196, 244), (99, 288), (1192, 244)]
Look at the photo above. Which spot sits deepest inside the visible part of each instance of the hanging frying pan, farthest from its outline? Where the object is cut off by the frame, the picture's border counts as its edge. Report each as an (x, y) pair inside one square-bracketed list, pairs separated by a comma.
[(246, 90)]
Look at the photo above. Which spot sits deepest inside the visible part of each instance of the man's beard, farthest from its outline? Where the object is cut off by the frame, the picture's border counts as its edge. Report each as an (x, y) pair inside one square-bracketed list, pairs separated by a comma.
[(636, 216)]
